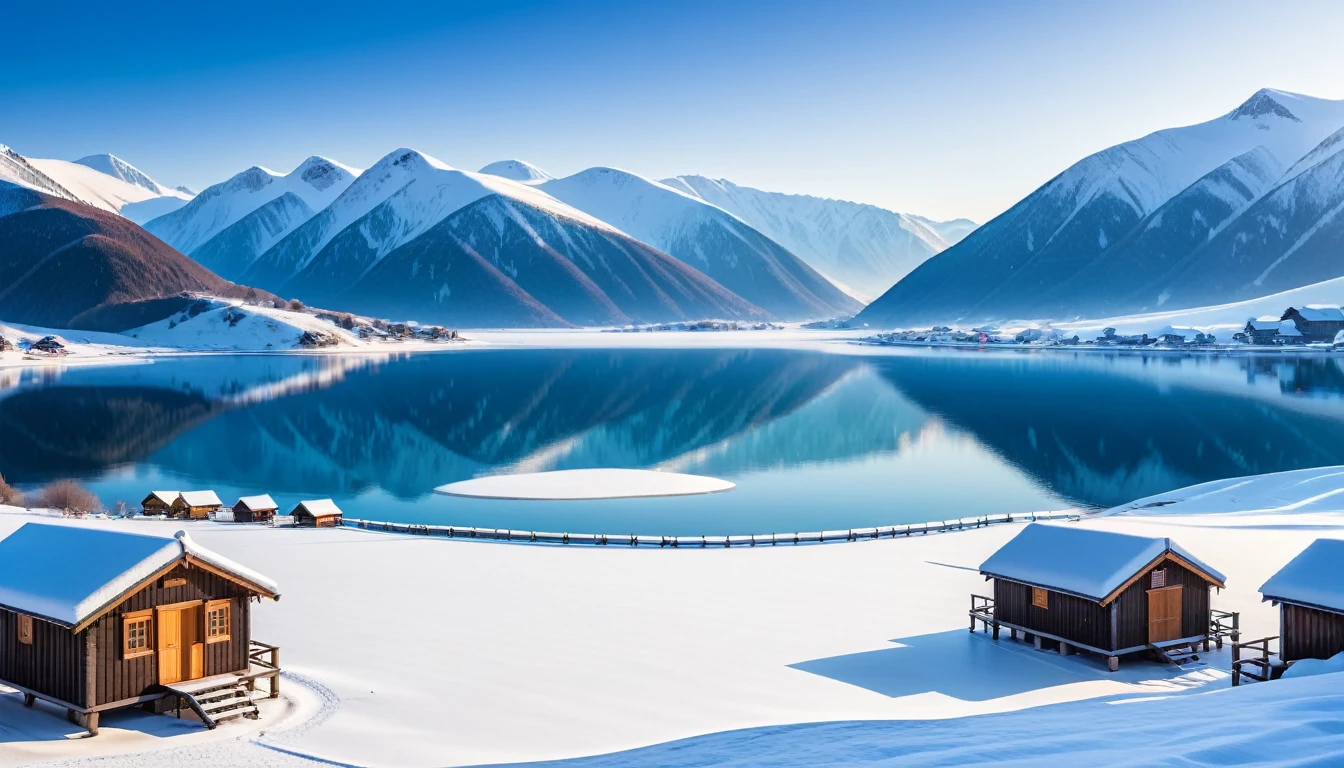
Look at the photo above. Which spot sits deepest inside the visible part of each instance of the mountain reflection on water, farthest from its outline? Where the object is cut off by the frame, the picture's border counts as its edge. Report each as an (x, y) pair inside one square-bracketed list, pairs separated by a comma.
[(815, 440)]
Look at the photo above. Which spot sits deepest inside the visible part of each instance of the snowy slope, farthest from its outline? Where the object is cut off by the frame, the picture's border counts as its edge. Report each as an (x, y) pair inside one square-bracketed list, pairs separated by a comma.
[(1008, 267), (863, 247), (111, 192), (115, 167), (411, 192), (517, 170), (17, 169), (708, 238), (238, 245), (236, 327), (317, 181)]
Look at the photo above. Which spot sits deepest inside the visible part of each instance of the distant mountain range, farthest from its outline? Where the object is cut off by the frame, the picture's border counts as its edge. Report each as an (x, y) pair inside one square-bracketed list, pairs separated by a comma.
[(1238, 207), (103, 181)]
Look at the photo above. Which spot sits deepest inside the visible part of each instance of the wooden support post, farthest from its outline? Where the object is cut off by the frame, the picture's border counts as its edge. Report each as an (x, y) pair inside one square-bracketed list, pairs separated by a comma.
[(1206, 643), (1113, 663), (1037, 640), (91, 723), (1012, 633), (1064, 649), (275, 679), (29, 699), (996, 630)]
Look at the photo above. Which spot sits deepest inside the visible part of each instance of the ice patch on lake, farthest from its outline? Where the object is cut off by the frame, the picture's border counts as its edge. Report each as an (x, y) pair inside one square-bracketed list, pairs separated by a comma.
[(571, 484)]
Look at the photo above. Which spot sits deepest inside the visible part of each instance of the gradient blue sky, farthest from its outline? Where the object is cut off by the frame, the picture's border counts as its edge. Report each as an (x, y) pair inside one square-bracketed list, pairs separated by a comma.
[(939, 108)]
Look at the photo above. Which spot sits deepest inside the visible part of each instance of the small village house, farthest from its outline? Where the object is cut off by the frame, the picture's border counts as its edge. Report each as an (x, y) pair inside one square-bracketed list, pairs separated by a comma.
[(93, 620), (6, 345), (49, 345), (1315, 322), (317, 513), (1262, 330), (1309, 592), (160, 502), (1289, 334), (254, 509), (1107, 593), (196, 505)]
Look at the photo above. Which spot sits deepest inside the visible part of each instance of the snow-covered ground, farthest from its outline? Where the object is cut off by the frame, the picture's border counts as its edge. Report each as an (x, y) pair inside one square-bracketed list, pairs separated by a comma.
[(518, 652), (573, 484)]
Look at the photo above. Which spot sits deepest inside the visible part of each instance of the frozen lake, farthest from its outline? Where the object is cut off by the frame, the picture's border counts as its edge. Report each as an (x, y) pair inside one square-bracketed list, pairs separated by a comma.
[(813, 439)]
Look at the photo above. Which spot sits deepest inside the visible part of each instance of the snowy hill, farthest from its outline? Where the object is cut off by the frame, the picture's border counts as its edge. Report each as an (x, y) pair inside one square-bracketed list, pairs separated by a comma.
[(706, 237), (862, 247), (316, 182), (414, 236), (126, 190), (1015, 265), (115, 167), (16, 169), (518, 170)]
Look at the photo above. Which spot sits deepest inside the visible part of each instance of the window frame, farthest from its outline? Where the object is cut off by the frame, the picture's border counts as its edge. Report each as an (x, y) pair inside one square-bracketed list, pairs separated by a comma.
[(129, 619), (1040, 598), (212, 606), (1158, 579), (25, 628)]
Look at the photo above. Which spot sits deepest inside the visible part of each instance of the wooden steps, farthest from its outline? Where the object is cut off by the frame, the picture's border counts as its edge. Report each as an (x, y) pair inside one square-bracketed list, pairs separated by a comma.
[(1176, 654), (215, 704)]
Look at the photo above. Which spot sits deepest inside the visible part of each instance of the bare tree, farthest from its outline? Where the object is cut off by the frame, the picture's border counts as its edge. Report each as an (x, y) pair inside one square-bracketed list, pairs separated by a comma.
[(9, 494), (70, 497), (296, 305)]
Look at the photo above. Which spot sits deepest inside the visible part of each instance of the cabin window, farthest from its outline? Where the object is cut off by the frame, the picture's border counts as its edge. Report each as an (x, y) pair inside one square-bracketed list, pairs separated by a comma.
[(135, 634), (25, 629), (217, 621), (1159, 578), (1040, 598)]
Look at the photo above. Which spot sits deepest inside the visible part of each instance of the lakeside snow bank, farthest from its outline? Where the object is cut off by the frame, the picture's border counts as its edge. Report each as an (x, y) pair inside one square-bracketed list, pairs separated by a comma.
[(1287, 497), (574, 484)]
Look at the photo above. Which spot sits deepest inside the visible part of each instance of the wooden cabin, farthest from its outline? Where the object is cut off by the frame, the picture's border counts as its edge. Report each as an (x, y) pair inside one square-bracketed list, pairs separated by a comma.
[(1262, 330), (1107, 593), (160, 502), (254, 509), (1315, 322), (6, 345), (93, 620), (1309, 591), (195, 505), (317, 513)]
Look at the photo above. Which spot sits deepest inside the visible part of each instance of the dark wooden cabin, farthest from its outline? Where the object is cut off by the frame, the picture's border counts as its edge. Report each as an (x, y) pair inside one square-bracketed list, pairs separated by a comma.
[(1309, 591), (317, 513), (93, 620), (254, 509), (1316, 323), (1108, 593), (196, 505), (1262, 330), (160, 502)]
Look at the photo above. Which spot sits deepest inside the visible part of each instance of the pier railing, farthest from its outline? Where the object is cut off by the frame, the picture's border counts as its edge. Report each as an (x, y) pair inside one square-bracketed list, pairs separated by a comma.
[(706, 541)]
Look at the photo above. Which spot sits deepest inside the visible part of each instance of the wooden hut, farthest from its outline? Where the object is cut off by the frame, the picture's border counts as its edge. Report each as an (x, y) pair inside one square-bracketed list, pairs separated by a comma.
[(160, 502), (254, 509), (1309, 591), (196, 505), (6, 345), (1108, 593), (317, 513), (1315, 322), (1262, 330), (93, 620)]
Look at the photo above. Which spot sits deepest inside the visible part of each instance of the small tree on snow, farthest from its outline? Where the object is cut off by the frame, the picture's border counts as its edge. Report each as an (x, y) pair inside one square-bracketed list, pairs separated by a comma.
[(69, 497), (296, 305), (9, 494)]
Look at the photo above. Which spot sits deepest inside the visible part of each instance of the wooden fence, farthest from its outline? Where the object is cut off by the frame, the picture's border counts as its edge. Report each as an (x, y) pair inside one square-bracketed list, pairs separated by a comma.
[(703, 542)]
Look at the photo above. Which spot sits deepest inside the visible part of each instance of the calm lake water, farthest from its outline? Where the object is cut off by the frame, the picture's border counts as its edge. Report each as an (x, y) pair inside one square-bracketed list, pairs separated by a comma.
[(814, 440)]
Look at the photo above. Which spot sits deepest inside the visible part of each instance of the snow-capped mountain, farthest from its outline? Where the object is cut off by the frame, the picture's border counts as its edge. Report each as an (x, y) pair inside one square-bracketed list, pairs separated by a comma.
[(864, 248), (413, 236), (1015, 265), (16, 169), (110, 183), (706, 237), (518, 170), (316, 182)]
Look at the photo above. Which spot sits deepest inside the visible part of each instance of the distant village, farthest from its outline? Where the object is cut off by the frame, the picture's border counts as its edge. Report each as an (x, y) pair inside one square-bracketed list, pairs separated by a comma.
[(1318, 325)]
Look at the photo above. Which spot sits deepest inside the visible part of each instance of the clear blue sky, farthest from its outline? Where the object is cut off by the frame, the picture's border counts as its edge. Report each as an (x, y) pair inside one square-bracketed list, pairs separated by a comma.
[(939, 108)]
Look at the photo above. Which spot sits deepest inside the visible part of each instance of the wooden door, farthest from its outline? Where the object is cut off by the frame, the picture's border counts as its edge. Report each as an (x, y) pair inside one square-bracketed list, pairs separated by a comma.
[(193, 647), (1164, 614), (169, 647)]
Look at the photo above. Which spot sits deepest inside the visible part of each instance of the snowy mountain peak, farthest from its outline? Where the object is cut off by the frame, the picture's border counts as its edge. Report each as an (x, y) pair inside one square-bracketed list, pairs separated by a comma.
[(120, 169), (321, 172), (517, 170), (409, 160), (1264, 103), (252, 179)]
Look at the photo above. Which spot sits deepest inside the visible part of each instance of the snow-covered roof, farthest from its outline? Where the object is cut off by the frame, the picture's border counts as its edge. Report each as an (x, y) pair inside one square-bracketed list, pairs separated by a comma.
[(68, 574), (1288, 328), (1082, 561), (319, 507), (201, 499), (1315, 577), (167, 497), (1319, 312), (1267, 323), (254, 503)]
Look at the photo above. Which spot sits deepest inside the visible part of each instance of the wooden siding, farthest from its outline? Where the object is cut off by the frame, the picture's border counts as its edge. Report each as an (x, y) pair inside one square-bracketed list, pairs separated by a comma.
[(1069, 617), (1308, 633), (1131, 606), (52, 664), (119, 678)]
